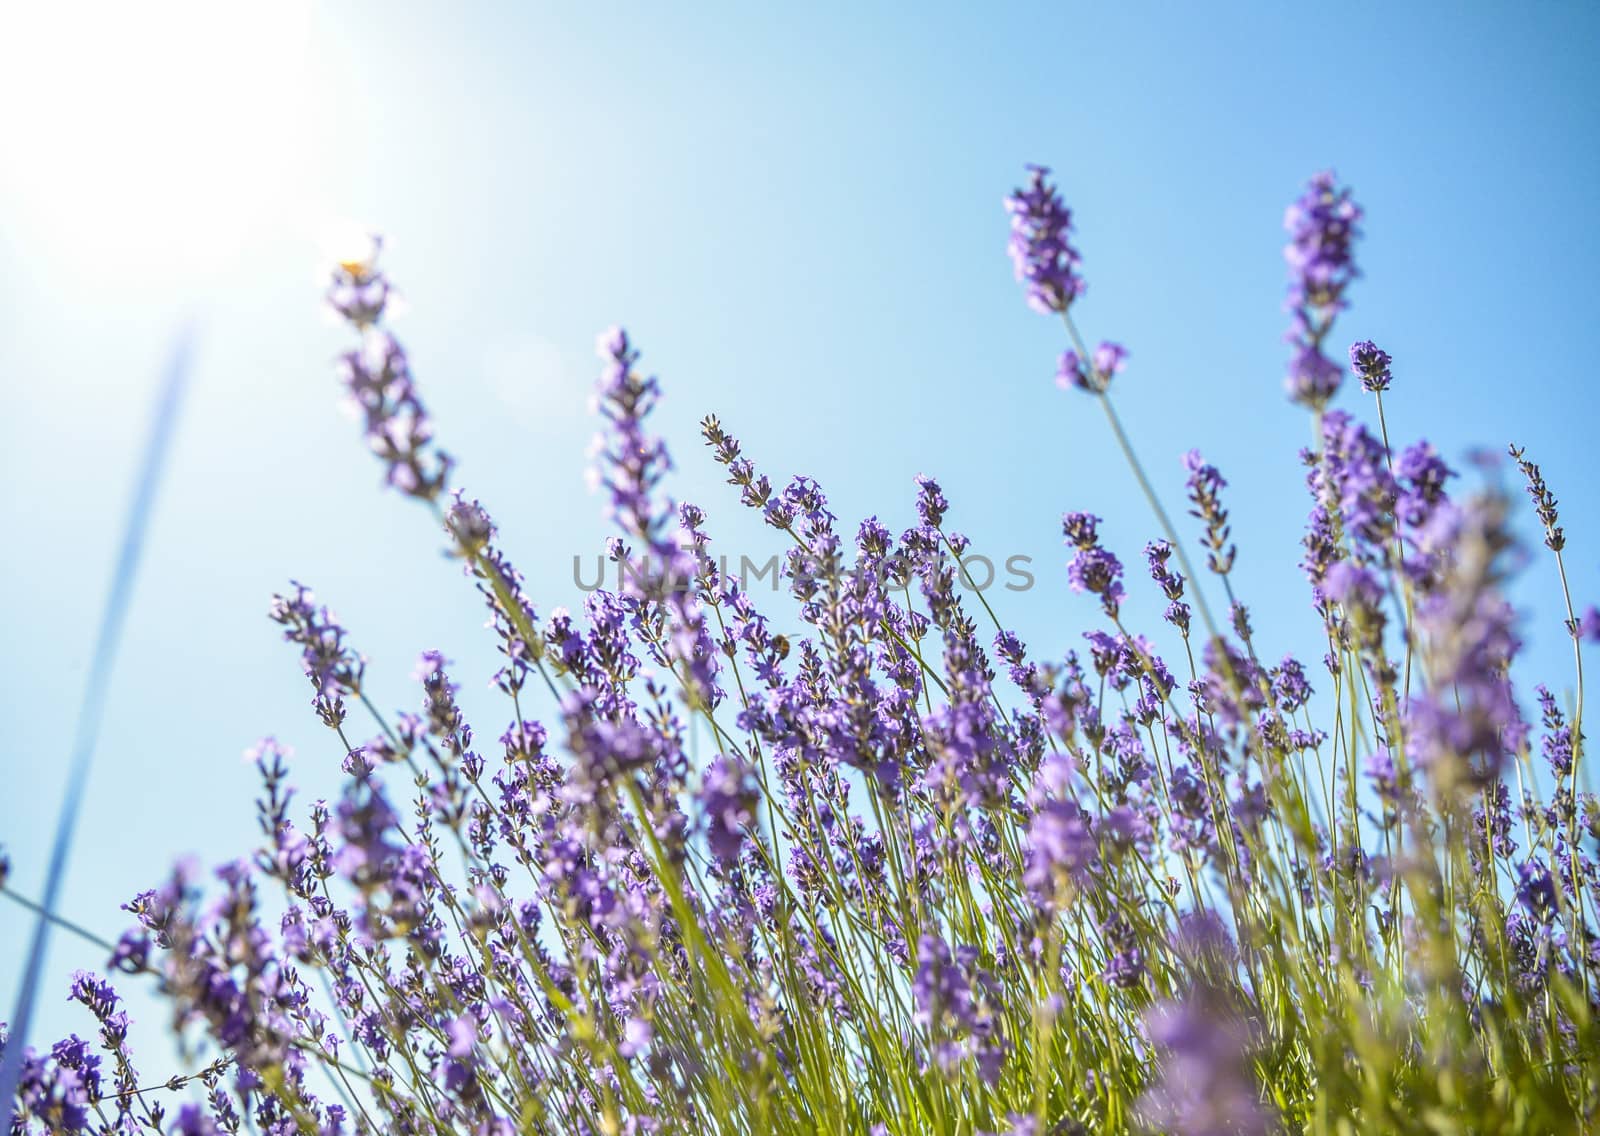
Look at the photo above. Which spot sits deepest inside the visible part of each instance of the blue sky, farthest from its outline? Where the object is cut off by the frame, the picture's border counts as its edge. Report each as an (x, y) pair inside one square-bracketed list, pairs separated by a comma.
[(797, 213)]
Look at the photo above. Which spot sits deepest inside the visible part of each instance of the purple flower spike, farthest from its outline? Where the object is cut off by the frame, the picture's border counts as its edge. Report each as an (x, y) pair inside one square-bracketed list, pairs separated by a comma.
[(1082, 530), (728, 800), (1040, 246), (358, 291), (1092, 569), (1109, 359), (1313, 378), (1099, 572), (377, 377), (1322, 234), (1061, 848), (1204, 1085), (1371, 363)]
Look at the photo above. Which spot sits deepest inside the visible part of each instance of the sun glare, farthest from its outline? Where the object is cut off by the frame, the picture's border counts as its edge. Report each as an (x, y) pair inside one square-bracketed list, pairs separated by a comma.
[(156, 138)]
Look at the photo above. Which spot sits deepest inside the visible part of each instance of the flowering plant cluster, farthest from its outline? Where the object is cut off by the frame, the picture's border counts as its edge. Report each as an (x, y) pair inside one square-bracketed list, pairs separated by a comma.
[(926, 882)]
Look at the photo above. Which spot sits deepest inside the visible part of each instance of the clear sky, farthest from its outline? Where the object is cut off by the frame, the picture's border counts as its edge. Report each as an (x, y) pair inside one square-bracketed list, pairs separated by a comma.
[(797, 212)]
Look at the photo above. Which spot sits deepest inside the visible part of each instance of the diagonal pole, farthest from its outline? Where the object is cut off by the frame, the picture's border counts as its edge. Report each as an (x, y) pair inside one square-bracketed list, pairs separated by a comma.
[(112, 618)]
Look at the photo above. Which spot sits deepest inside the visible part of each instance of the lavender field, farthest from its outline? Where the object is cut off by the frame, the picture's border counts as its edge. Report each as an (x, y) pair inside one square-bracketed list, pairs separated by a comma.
[(873, 840)]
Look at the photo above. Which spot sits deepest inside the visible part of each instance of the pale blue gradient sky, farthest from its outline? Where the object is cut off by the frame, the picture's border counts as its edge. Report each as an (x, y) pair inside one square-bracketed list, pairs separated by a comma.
[(797, 213)]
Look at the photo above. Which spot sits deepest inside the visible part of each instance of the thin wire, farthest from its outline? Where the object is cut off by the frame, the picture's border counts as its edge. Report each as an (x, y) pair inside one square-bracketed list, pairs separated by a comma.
[(112, 618)]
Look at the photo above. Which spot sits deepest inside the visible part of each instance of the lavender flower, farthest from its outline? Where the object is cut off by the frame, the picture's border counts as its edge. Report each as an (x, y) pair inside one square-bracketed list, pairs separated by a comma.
[(1061, 851), (951, 994), (1371, 364), (1081, 530), (377, 376), (1421, 474), (1040, 247), (1098, 572), (1125, 962), (192, 1120), (1467, 722), (931, 503), (1557, 744), (1205, 485), (1108, 360), (728, 800), (1092, 568), (633, 464), (1361, 595), (1204, 1085), (1322, 233), (1313, 377), (357, 291), (334, 668), (469, 525), (1544, 501)]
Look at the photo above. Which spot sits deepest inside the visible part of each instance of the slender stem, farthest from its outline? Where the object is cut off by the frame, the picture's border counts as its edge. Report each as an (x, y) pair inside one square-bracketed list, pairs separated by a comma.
[(1577, 661), (1404, 602), (65, 924), (1577, 757), (1167, 527)]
